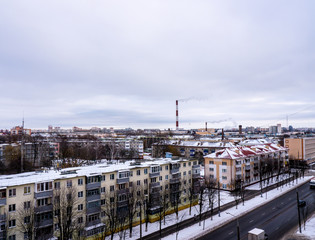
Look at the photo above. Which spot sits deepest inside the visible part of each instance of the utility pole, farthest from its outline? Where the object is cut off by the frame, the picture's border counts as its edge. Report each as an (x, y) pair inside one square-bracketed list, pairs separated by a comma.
[(219, 198), (140, 221), (298, 207), (22, 146)]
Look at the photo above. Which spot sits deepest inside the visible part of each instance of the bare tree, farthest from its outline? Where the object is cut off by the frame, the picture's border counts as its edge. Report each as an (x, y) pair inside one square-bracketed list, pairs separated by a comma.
[(66, 213), (26, 219), (211, 185)]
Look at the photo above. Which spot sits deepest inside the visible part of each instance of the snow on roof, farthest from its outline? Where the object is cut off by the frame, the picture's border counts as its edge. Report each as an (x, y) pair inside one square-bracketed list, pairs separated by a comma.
[(199, 144), (243, 152), (97, 169)]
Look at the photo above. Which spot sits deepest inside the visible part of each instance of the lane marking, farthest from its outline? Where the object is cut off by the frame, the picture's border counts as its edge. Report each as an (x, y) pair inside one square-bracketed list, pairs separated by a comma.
[(231, 233), (251, 221)]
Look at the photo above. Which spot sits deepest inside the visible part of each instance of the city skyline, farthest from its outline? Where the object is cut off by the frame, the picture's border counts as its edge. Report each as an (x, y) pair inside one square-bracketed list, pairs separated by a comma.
[(124, 64)]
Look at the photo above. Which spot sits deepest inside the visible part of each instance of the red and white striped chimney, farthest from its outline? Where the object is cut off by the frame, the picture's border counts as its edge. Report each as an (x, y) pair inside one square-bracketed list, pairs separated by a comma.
[(176, 114)]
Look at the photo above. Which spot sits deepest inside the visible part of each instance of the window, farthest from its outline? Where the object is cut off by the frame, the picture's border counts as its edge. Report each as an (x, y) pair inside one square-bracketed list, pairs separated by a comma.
[(224, 186), (27, 190), (138, 172), (80, 181), (189, 164), (138, 193), (189, 172), (80, 219), (160, 178), (12, 223), (145, 191), (121, 186), (224, 163), (57, 185), (185, 181), (224, 170), (27, 219), (224, 178), (103, 178), (195, 162), (27, 205), (138, 183), (153, 180), (12, 208), (12, 192), (166, 167), (185, 173), (184, 164), (12, 237), (42, 187), (123, 174), (102, 201), (211, 169), (80, 194), (211, 176), (131, 173), (80, 207), (166, 177), (112, 176), (211, 162), (160, 168), (112, 188), (145, 171), (103, 214), (155, 169), (103, 190), (112, 200), (130, 184), (69, 183), (166, 187)]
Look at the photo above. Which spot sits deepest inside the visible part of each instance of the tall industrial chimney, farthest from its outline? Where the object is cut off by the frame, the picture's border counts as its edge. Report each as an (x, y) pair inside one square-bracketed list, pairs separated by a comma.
[(240, 129), (176, 114), (206, 127), (222, 134)]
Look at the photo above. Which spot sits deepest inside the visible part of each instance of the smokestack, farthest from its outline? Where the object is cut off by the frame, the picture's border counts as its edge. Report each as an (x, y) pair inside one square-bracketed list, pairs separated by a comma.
[(240, 129), (222, 134), (176, 114), (206, 127)]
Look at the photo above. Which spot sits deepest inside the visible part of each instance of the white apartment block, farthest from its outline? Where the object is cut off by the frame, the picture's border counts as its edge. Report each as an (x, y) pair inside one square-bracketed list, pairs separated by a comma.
[(245, 164), (84, 195)]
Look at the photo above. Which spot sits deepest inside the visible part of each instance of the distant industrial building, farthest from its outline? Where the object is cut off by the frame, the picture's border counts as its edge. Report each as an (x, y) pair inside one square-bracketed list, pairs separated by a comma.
[(301, 148)]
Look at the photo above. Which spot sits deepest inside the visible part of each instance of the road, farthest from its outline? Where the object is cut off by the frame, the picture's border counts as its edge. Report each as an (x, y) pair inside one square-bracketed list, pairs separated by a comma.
[(276, 217)]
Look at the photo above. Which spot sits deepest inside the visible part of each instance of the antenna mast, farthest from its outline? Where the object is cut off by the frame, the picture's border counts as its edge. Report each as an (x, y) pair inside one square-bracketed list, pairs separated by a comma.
[(22, 146)]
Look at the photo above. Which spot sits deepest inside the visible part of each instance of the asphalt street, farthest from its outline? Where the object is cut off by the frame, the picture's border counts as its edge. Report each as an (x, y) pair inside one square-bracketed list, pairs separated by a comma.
[(276, 217)]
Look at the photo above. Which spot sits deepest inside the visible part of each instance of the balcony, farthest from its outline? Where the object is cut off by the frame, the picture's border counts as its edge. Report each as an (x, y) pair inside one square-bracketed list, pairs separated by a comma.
[(92, 210), (196, 166), (46, 208), (239, 171), (122, 203), (44, 223), (122, 180), (195, 175), (92, 223), (93, 185), (123, 191), (2, 234), (247, 168), (156, 174), (93, 197), (3, 217), (3, 201), (174, 170), (46, 194), (154, 184), (175, 180)]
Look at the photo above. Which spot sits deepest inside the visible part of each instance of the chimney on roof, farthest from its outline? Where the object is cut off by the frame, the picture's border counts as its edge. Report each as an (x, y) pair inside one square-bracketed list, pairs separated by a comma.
[(222, 134), (206, 127), (240, 129)]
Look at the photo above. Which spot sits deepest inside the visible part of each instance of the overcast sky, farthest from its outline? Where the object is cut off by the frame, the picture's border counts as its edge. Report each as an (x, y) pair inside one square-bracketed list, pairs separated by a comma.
[(124, 63)]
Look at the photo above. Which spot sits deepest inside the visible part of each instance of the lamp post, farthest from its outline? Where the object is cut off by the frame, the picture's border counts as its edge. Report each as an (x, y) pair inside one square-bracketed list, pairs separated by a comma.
[(237, 225), (139, 202)]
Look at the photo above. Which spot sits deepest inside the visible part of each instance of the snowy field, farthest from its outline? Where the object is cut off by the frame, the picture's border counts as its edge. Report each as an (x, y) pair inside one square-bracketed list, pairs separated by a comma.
[(208, 225)]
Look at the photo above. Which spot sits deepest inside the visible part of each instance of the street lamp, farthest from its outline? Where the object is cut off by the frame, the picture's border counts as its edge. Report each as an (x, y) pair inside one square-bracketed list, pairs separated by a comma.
[(237, 224)]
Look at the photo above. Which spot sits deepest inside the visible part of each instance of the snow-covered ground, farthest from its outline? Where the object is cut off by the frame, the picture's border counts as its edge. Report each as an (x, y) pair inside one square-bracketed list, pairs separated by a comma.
[(208, 224), (309, 230)]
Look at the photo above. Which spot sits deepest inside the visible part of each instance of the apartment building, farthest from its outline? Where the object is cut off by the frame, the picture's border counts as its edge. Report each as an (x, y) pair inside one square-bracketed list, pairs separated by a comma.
[(302, 148), (85, 196), (244, 164), (189, 149)]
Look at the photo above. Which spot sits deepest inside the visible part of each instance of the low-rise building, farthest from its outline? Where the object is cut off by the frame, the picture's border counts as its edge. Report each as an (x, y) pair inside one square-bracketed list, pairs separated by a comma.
[(89, 198), (245, 164)]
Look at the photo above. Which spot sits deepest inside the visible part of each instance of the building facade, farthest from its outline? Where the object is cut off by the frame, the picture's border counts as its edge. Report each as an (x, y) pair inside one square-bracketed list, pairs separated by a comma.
[(89, 198), (245, 164), (302, 148)]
